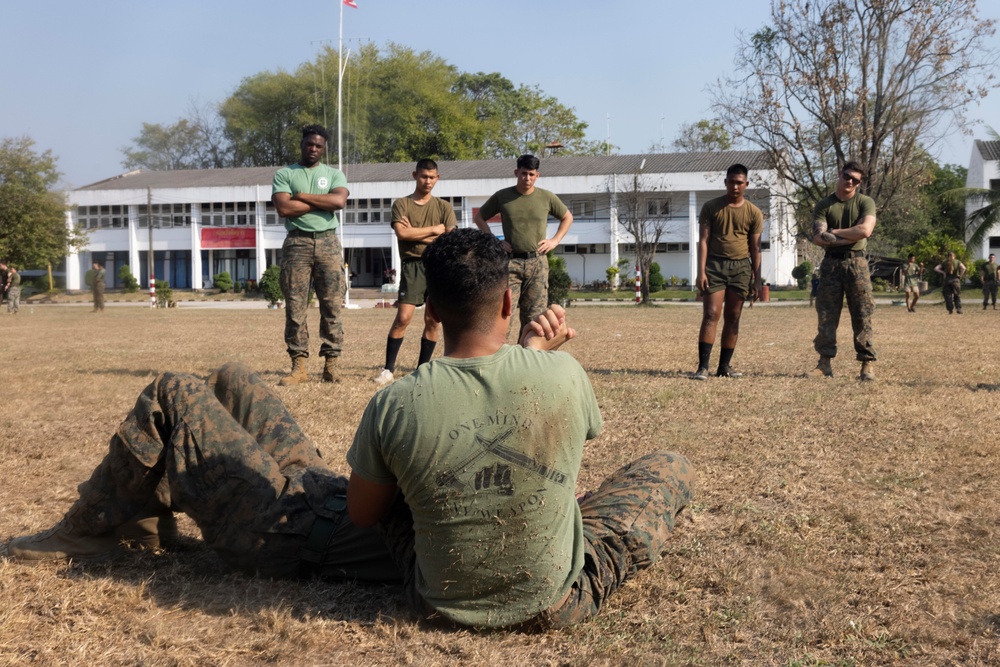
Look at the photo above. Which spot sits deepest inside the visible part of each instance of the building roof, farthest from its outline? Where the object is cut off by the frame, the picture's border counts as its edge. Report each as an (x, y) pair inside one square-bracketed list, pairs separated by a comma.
[(989, 150), (655, 163)]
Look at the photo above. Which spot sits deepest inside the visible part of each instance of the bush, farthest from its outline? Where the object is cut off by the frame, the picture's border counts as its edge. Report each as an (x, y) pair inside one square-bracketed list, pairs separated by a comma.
[(559, 280), (803, 274), (880, 285), (270, 284), (612, 274), (129, 282), (655, 278), (223, 281), (933, 249), (164, 295)]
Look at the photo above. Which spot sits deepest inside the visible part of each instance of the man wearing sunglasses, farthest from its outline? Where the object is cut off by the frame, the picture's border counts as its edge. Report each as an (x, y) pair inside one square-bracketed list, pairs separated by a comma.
[(842, 223)]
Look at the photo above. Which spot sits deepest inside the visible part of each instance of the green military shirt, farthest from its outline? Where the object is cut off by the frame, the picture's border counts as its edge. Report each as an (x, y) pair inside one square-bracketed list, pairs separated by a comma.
[(845, 214), (434, 212), (731, 227), (319, 180), (523, 217)]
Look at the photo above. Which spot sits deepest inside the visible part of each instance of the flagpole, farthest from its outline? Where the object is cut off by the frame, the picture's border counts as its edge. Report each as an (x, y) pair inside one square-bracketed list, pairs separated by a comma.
[(340, 149)]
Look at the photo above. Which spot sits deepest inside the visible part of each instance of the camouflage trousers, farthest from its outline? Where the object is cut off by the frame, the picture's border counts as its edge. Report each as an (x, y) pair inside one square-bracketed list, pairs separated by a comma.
[(319, 262), (951, 290), (989, 293), (14, 299), (229, 455), (840, 278), (529, 286), (626, 525)]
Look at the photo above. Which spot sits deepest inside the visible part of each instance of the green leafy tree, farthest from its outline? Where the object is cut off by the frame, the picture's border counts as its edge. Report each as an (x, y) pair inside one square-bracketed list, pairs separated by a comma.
[(33, 229), (131, 285), (559, 280), (190, 143), (270, 284), (264, 117), (164, 293), (704, 135), (223, 281)]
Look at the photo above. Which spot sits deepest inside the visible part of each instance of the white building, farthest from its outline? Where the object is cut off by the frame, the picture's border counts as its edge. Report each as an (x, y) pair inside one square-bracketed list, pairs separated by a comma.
[(213, 220), (984, 173)]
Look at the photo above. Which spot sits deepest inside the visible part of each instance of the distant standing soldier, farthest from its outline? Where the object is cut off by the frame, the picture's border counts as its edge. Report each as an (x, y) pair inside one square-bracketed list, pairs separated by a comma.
[(813, 288), (417, 220), (524, 210), (100, 278), (728, 268), (842, 223), (913, 273), (989, 278), (13, 289), (953, 272), (307, 194)]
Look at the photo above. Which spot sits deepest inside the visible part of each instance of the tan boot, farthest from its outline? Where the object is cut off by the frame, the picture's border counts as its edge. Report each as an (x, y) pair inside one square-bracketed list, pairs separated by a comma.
[(63, 542), (867, 374), (823, 368), (330, 370), (153, 527), (297, 375)]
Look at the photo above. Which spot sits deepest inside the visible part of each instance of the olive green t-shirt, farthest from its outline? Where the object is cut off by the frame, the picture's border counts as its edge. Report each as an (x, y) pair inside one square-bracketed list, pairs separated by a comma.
[(524, 217), (486, 452), (319, 180), (990, 272), (434, 212), (731, 227), (15, 279), (845, 214), (912, 272)]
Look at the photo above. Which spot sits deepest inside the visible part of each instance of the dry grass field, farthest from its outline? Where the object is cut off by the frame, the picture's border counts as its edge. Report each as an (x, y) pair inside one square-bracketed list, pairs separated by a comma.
[(834, 523)]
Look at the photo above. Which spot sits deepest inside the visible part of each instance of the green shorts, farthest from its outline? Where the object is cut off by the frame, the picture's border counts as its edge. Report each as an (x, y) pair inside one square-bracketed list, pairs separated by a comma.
[(412, 283), (734, 274)]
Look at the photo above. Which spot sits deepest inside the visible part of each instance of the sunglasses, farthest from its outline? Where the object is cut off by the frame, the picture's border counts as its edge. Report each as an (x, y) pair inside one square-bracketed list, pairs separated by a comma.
[(851, 179)]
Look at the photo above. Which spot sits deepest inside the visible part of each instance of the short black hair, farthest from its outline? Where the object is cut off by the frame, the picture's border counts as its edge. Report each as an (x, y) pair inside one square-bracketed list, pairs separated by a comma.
[(528, 161), (466, 273), (851, 165), (426, 164), (310, 130), (737, 169)]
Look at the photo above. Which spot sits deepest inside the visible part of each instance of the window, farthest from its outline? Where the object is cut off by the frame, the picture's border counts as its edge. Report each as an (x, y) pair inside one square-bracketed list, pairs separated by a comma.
[(994, 242), (658, 207), (271, 216), (995, 184), (582, 208)]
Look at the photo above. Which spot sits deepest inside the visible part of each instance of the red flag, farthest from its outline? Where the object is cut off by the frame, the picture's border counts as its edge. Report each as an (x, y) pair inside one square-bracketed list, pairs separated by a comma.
[(351, 3)]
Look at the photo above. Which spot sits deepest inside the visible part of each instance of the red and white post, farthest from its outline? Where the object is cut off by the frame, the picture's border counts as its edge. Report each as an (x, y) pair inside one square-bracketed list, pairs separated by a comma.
[(638, 284), (152, 292)]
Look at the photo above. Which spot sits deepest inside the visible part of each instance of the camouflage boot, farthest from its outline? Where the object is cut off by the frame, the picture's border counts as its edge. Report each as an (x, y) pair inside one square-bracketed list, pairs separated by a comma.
[(867, 374), (298, 374), (330, 370), (823, 368), (64, 541)]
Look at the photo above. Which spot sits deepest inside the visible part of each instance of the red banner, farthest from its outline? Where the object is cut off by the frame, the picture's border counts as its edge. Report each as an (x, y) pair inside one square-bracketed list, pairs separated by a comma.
[(228, 237)]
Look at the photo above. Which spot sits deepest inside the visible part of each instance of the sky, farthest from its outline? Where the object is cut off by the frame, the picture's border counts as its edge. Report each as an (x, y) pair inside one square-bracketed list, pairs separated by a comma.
[(81, 78)]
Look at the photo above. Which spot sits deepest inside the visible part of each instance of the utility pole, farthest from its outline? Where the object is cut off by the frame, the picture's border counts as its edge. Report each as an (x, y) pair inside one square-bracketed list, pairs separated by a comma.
[(149, 226)]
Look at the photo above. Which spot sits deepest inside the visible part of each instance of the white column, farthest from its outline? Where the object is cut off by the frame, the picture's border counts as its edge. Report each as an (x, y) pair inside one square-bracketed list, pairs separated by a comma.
[(692, 238), (613, 227), (196, 282), (397, 261), (73, 261), (259, 251), (133, 248)]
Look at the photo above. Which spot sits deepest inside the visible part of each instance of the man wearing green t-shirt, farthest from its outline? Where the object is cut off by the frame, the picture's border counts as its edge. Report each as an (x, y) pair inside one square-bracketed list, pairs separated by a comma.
[(989, 278), (13, 290), (952, 274), (307, 194), (524, 211), (842, 223), (728, 268), (417, 220), (471, 462), (97, 288)]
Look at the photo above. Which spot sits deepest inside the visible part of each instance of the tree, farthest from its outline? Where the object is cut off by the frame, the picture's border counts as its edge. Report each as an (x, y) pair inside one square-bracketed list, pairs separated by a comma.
[(187, 144), (869, 80), (263, 119), (641, 214), (33, 229), (705, 135), (932, 249)]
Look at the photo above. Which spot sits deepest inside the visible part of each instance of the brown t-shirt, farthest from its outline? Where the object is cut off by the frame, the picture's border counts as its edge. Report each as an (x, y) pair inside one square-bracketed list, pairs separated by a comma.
[(434, 212), (731, 227)]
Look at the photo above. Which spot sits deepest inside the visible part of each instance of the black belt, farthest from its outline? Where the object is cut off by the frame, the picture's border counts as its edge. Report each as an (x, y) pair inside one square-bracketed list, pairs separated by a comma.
[(524, 255), (844, 254), (311, 235)]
